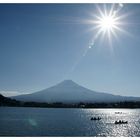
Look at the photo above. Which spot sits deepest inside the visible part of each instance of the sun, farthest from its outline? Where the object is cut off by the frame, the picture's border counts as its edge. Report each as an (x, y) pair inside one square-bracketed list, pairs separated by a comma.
[(107, 23)]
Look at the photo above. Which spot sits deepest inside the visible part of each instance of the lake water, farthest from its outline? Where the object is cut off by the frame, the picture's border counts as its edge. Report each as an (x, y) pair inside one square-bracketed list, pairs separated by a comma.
[(68, 122)]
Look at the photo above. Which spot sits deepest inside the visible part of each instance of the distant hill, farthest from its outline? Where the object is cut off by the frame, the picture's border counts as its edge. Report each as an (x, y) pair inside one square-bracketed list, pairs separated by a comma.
[(70, 92), (5, 101)]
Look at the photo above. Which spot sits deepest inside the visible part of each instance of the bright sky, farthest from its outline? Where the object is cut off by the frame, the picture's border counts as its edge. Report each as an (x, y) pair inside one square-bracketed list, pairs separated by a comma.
[(44, 44)]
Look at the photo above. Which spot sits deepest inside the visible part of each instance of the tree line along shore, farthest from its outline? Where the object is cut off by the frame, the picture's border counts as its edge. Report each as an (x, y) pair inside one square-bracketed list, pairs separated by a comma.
[(5, 101)]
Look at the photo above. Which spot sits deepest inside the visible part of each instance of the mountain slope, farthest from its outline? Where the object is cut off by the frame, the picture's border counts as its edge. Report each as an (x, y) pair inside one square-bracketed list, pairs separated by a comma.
[(70, 92)]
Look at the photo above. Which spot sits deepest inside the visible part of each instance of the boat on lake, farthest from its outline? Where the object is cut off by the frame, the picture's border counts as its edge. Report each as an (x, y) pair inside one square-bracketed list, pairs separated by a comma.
[(121, 122), (95, 118)]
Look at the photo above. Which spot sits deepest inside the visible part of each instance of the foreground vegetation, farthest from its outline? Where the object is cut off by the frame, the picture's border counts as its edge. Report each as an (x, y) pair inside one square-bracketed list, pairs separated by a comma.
[(4, 101)]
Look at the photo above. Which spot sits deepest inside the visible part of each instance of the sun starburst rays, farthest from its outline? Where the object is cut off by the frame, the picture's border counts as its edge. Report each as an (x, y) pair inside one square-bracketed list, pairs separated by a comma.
[(108, 22)]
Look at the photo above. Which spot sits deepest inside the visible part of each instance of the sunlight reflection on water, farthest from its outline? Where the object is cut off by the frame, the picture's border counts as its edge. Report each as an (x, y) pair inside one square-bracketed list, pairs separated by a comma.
[(109, 116)]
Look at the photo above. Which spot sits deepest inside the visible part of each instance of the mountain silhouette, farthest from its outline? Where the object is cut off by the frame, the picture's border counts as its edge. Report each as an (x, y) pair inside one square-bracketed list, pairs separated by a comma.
[(70, 92)]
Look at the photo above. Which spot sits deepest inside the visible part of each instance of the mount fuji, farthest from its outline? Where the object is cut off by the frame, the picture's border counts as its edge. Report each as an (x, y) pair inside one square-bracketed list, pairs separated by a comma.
[(70, 92)]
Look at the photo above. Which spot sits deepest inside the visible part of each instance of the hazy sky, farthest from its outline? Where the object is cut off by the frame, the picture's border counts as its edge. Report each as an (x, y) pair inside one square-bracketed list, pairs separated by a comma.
[(43, 44)]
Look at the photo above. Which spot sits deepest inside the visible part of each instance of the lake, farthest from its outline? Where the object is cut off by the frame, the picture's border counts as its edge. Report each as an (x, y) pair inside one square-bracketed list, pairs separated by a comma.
[(20, 121)]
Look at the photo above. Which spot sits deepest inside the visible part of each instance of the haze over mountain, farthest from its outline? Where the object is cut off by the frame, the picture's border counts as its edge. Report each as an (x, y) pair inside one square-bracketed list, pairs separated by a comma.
[(70, 92)]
